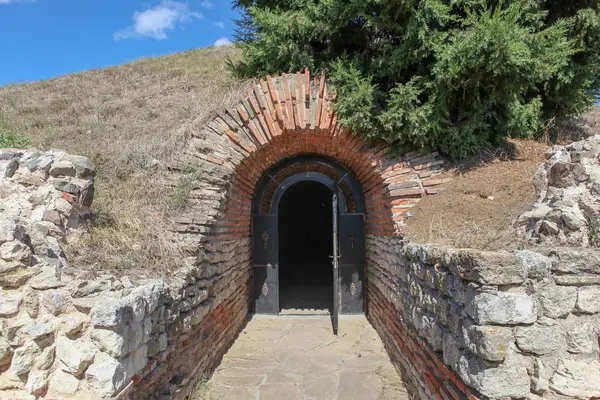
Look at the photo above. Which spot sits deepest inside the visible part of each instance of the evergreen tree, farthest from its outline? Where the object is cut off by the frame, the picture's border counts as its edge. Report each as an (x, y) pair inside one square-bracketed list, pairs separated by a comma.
[(451, 75)]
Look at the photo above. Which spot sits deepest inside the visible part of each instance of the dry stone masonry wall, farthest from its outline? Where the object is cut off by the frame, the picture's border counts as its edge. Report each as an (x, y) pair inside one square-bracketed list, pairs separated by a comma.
[(494, 325), (568, 209), (75, 334)]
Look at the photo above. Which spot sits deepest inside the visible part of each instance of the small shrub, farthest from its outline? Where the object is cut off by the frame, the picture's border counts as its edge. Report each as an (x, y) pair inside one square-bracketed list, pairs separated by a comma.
[(8, 139)]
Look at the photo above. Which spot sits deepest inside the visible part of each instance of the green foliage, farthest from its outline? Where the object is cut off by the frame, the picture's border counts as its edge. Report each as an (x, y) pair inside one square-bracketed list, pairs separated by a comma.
[(9, 140), (451, 75)]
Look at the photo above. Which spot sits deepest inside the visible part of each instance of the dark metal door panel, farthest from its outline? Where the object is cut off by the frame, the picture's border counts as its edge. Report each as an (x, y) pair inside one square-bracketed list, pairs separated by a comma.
[(266, 290), (352, 239), (352, 289), (336, 290), (265, 253), (352, 263), (265, 240)]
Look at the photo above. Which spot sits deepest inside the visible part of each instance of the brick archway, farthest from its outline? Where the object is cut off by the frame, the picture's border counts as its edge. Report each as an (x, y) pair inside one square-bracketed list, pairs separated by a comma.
[(292, 115)]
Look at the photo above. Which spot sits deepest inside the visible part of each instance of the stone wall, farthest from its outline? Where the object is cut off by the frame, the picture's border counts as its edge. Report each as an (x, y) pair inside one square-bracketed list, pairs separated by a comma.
[(495, 325), (66, 333), (567, 212)]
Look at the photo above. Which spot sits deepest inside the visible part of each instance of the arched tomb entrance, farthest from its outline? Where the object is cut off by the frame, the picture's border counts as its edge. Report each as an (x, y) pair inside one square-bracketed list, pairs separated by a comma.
[(305, 210), (248, 177)]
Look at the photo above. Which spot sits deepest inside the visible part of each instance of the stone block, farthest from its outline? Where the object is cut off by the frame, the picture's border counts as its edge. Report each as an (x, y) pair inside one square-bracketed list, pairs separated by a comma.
[(47, 279), (494, 382), (109, 313), (557, 301), (10, 266), (72, 324), (75, 355), (146, 329), (431, 330), (15, 251), (64, 383), (62, 168), (588, 299), (574, 260), (504, 308), (452, 349), (112, 342), (12, 329), (17, 278), (24, 358), (538, 266), (456, 289), (151, 292), (40, 328), (9, 303), (580, 334), (577, 378), (106, 376), (10, 381), (45, 360), (82, 288), (487, 267), (37, 382), (489, 342), (55, 302), (7, 231), (5, 352), (540, 339), (83, 166), (139, 358), (577, 280), (66, 186)]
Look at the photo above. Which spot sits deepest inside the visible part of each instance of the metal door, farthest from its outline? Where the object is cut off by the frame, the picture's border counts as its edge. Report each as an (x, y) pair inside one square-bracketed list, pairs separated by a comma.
[(266, 264), (335, 257), (351, 244)]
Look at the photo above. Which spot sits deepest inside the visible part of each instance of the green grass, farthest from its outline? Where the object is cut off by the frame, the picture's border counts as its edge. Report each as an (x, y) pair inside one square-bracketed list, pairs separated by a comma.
[(9, 139)]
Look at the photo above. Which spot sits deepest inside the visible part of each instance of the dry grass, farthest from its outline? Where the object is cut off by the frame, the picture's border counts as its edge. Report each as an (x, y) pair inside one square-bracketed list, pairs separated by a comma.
[(127, 120), (479, 206)]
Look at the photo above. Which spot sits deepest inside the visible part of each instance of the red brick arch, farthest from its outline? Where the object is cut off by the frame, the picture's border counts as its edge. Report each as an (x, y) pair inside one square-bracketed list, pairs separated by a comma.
[(292, 115)]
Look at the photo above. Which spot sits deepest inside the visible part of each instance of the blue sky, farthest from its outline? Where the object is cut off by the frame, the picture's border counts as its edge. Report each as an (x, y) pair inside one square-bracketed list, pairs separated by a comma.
[(45, 38)]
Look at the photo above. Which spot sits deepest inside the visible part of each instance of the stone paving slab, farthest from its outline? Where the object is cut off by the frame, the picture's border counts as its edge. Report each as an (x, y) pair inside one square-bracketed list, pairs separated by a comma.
[(298, 357)]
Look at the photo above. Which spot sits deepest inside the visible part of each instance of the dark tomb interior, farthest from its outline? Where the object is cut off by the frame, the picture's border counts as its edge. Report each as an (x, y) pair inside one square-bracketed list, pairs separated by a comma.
[(305, 247)]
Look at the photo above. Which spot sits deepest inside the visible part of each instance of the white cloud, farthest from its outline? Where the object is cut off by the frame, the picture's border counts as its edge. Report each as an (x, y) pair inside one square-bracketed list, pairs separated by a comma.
[(157, 22), (220, 24), (206, 4), (222, 42)]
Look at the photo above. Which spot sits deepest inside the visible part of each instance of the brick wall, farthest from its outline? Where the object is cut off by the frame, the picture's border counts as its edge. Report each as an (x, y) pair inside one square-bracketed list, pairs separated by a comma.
[(197, 335)]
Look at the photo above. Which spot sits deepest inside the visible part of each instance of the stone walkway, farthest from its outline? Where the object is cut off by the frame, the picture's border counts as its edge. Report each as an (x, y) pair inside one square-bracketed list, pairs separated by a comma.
[(289, 358)]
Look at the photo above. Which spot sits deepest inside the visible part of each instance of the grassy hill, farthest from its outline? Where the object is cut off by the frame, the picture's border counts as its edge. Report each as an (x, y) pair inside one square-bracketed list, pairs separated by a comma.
[(130, 120), (126, 119)]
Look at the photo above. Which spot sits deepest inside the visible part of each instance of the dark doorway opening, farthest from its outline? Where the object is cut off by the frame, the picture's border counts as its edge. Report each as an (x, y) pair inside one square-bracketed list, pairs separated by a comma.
[(305, 246)]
